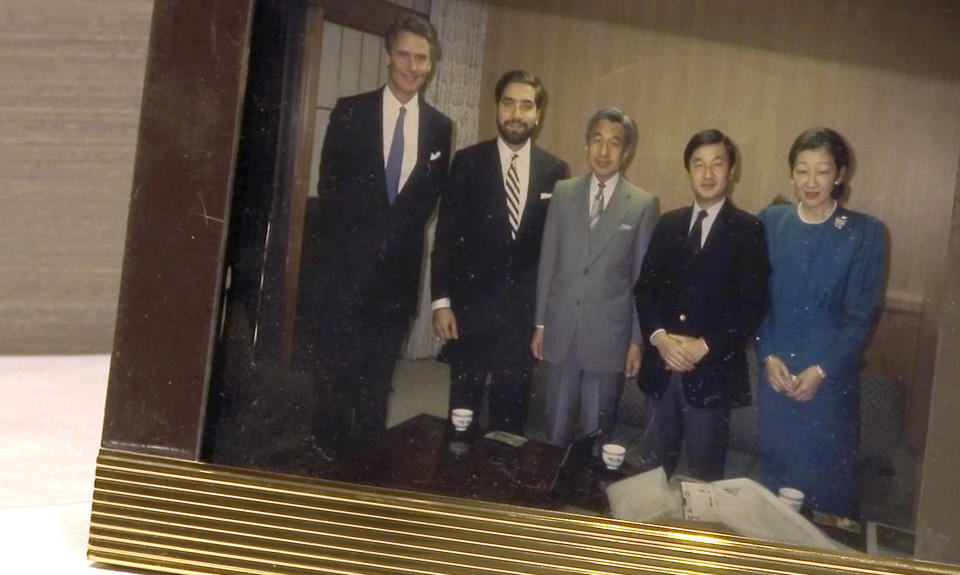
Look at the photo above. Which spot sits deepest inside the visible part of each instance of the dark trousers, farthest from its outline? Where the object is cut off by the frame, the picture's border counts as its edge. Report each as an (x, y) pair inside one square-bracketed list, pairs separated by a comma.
[(703, 431), (509, 397), (357, 354)]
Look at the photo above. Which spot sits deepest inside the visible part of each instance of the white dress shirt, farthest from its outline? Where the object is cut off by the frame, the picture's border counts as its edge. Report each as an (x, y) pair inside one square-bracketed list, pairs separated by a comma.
[(411, 132), (523, 168), (523, 175), (608, 187)]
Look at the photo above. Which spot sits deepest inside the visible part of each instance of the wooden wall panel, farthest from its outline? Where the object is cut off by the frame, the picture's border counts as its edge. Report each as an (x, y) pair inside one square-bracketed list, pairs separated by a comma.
[(893, 347), (904, 128), (69, 105), (913, 36)]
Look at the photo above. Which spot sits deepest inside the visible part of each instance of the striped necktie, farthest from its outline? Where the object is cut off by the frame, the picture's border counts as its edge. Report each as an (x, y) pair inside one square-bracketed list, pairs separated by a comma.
[(596, 208), (513, 196)]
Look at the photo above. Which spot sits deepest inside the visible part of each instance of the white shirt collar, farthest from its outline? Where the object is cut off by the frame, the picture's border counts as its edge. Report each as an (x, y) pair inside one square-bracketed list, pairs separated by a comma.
[(608, 186), (391, 105), (712, 211), (506, 152)]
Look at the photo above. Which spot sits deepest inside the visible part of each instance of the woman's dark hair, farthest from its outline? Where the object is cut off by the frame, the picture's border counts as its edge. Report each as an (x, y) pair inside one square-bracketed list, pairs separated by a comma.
[(829, 140)]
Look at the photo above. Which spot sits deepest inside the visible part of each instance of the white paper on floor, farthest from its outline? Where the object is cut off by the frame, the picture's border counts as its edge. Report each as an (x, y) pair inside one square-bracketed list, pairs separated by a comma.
[(742, 505)]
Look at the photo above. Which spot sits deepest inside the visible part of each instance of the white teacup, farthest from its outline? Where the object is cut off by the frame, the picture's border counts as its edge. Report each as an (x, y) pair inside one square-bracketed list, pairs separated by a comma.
[(461, 418), (792, 497), (613, 455)]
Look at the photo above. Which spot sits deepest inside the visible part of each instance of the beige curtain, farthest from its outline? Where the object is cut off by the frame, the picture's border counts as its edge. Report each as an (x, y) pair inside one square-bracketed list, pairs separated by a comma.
[(455, 91)]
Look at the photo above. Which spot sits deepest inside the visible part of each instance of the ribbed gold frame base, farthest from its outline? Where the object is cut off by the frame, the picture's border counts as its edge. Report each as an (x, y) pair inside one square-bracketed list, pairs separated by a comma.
[(185, 517)]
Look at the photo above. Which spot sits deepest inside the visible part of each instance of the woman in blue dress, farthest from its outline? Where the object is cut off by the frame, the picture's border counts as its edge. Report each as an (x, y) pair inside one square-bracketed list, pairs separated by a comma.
[(828, 274)]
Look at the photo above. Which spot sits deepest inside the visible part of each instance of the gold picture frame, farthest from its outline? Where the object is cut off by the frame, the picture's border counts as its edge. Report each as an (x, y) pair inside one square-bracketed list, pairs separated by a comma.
[(157, 507), (181, 516)]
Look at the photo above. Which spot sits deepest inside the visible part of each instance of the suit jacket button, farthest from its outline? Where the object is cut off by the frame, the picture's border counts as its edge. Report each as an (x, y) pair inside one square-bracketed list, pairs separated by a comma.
[(683, 317), (586, 271)]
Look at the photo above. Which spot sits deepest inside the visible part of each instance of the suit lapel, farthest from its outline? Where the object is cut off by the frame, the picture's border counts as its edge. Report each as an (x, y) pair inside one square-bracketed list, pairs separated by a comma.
[(420, 167), (716, 230), (498, 191), (683, 227), (610, 219), (581, 219), (533, 194), (375, 154), (425, 147), (533, 190)]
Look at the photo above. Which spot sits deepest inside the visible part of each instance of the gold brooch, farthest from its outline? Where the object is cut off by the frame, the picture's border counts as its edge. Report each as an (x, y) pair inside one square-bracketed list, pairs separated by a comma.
[(840, 222)]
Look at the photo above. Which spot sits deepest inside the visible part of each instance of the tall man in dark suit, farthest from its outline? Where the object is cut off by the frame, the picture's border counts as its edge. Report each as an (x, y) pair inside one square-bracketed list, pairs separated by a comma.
[(593, 244), (485, 256), (702, 292), (383, 164)]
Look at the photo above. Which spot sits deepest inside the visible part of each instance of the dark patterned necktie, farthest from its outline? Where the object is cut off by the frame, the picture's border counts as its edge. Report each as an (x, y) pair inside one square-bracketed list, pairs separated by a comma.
[(693, 240)]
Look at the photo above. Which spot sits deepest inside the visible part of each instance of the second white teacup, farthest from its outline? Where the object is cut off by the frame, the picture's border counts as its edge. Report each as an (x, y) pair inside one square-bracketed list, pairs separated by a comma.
[(792, 497), (613, 455), (461, 418)]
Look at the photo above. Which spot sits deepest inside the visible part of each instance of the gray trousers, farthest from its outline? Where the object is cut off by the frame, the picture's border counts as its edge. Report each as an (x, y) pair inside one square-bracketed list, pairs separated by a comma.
[(703, 431), (579, 402)]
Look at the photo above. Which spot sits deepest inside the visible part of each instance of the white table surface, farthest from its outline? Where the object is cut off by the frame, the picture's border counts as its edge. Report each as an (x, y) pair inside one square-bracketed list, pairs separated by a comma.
[(51, 413)]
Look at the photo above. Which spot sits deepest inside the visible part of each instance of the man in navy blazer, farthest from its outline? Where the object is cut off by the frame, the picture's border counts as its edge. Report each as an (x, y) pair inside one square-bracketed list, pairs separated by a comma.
[(383, 164), (702, 293), (484, 265)]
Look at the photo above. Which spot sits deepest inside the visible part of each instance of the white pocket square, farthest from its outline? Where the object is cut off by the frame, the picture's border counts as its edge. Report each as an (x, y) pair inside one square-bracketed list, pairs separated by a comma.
[(434, 156), (545, 195), (625, 227)]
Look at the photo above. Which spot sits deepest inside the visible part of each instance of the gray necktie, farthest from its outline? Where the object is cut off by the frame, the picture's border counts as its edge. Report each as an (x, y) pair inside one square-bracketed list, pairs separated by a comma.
[(395, 158), (596, 208)]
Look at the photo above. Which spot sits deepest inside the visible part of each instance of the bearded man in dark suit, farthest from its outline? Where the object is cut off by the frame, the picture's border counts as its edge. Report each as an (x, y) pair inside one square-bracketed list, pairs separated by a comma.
[(484, 265), (384, 161)]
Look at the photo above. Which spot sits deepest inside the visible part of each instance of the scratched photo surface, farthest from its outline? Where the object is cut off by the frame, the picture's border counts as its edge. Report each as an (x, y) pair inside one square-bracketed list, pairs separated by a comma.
[(266, 406)]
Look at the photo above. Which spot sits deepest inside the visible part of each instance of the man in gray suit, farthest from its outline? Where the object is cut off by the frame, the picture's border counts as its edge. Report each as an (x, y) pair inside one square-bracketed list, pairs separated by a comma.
[(594, 240)]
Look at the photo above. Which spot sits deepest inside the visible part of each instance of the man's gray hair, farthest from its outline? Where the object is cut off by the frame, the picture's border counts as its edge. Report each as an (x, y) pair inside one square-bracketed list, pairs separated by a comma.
[(616, 116)]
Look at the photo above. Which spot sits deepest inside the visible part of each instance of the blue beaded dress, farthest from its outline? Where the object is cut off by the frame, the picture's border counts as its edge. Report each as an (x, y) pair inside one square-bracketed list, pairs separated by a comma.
[(825, 287)]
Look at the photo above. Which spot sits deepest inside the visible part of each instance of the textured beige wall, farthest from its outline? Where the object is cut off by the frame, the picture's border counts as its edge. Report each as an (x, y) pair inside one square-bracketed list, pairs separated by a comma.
[(71, 74), (762, 90)]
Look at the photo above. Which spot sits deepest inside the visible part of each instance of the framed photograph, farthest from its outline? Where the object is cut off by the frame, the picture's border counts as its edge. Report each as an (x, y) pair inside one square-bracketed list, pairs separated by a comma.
[(209, 460)]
